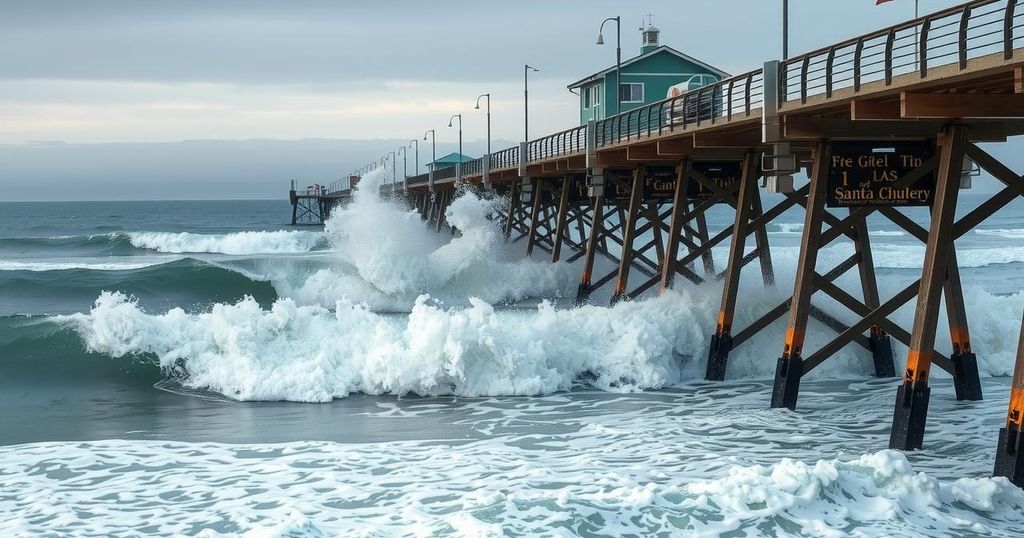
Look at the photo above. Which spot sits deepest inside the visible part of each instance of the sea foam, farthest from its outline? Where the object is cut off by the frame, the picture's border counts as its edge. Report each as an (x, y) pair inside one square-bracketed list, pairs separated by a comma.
[(624, 486), (387, 256)]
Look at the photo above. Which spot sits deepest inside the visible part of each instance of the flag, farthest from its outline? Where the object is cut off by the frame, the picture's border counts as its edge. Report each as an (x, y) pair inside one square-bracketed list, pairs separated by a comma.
[(880, 2)]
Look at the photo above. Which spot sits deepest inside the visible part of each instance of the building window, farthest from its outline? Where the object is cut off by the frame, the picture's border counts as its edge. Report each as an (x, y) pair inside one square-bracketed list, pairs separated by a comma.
[(593, 98), (631, 92)]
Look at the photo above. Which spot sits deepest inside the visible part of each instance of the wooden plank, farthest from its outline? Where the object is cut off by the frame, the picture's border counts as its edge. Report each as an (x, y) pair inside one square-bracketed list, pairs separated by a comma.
[(742, 139), (676, 147), (961, 105), (576, 163), (645, 152), (864, 109), (616, 157), (805, 128)]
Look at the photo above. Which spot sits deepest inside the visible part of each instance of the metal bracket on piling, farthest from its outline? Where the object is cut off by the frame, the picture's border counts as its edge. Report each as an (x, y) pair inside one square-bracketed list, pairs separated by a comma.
[(524, 159), (486, 161)]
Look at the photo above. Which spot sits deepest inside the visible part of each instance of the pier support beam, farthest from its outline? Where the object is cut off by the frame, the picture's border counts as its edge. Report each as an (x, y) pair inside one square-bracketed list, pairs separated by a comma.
[(562, 218), (790, 366), (966, 382), (441, 204), (881, 346), (721, 341), (1010, 447), (680, 207), (535, 214), (593, 242), (911, 408), (636, 197)]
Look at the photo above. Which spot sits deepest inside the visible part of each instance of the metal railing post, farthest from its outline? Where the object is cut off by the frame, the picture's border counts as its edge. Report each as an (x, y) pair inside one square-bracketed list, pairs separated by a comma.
[(922, 47), (889, 41), (1011, 6), (965, 18)]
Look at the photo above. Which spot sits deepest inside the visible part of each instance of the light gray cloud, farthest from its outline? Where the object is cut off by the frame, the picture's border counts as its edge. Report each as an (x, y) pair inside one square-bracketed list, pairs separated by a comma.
[(95, 72)]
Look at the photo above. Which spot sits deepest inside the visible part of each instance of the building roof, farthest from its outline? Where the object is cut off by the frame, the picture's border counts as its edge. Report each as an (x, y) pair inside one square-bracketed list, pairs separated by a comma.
[(452, 158), (648, 54)]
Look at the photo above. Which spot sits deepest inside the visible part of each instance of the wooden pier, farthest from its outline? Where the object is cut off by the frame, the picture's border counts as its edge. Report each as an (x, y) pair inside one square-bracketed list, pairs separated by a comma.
[(879, 122), (313, 205)]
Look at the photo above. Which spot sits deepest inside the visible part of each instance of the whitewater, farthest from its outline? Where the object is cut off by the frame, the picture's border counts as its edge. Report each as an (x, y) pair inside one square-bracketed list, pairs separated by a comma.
[(377, 378)]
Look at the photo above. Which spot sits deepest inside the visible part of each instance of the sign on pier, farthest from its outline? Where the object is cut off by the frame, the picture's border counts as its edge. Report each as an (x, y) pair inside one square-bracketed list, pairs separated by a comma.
[(869, 173), (725, 175)]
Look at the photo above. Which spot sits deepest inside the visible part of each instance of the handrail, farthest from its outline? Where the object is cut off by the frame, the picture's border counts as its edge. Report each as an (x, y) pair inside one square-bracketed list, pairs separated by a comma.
[(947, 37), (737, 96)]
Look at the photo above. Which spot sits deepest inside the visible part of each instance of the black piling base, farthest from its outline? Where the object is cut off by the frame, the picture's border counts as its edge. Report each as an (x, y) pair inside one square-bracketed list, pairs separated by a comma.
[(1010, 456), (787, 382), (718, 357), (909, 416), (881, 354), (582, 294), (965, 376)]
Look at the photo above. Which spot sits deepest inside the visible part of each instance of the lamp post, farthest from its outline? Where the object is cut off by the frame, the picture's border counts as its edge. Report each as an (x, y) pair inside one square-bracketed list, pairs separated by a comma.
[(416, 142), (526, 100), (458, 163), (618, 57), (405, 167), (487, 158), (433, 158), (785, 29)]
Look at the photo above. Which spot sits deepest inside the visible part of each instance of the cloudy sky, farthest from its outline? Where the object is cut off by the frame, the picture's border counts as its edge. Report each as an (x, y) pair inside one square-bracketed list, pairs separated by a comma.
[(112, 74)]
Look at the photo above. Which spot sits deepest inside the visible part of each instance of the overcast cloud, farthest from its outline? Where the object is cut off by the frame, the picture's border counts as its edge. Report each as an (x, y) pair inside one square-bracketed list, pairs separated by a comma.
[(120, 71)]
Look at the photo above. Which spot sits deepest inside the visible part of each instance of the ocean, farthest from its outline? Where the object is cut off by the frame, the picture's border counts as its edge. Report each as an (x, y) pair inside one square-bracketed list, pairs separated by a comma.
[(204, 369)]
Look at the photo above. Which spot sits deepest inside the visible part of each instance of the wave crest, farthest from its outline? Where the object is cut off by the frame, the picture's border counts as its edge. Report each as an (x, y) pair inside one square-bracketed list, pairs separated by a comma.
[(307, 353), (238, 243)]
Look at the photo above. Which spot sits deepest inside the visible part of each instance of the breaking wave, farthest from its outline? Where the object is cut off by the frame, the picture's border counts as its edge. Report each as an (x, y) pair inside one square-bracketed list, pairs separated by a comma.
[(309, 353)]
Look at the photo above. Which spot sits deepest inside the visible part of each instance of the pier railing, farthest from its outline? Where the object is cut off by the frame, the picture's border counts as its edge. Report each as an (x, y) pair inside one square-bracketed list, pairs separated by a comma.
[(567, 142), (740, 95), (951, 36), (947, 37)]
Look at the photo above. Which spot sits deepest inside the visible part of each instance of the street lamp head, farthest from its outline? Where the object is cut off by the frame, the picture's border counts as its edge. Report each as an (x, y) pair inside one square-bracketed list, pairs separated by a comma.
[(481, 96), (450, 122), (600, 39)]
